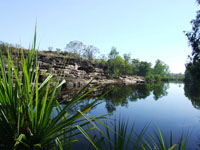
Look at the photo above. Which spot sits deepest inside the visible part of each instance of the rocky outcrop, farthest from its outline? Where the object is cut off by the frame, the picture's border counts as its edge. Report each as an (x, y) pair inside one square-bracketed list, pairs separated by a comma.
[(78, 72), (79, 75), (130, 80)]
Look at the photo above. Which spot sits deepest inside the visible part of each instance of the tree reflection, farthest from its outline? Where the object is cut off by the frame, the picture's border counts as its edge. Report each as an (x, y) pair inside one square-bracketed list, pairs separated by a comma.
[(160, 90), (140, 92), (110, 107), (121, 95), (192, 92)]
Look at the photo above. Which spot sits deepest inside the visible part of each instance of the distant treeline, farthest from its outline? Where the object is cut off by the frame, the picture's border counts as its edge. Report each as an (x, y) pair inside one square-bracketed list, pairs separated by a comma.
[(115, 64), (118, 66)]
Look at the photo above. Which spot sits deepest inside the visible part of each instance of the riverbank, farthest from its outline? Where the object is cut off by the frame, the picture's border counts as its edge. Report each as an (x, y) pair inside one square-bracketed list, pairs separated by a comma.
[(76, 71)]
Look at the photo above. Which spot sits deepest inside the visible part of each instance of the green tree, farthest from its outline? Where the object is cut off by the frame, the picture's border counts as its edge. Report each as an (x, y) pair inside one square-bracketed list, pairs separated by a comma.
[(127, 58), (102, 61), (193, 66), (115, 63), (160, 70), (128, 68), (135, 64), (113, 53), (144, 69)]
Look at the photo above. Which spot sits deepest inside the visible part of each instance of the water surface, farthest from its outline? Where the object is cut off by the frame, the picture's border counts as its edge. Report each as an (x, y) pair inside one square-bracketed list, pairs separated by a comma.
[(169, 106)]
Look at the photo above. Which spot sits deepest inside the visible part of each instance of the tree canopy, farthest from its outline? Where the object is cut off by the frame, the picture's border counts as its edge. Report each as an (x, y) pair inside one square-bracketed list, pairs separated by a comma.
[(193, 66)]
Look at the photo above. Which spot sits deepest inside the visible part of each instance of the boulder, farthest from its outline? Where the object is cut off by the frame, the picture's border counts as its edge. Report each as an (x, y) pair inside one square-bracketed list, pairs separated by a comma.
[(87, 69), (70, 85)]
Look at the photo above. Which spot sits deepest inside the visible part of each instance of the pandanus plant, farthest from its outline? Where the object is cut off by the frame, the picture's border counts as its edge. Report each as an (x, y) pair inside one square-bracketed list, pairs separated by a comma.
[(30, 114)]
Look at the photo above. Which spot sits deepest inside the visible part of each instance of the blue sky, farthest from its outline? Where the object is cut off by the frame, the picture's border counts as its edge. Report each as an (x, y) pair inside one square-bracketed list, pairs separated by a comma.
[(148, 29)]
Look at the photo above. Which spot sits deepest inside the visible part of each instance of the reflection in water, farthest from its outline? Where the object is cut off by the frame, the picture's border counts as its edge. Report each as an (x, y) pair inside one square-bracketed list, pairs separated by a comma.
[(144, 103), (192, 92), (121, 95), (160, 90)]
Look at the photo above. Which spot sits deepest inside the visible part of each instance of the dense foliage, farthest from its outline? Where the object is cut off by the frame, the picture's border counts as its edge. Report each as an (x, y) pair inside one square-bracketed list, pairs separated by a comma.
[(118, 66), (192, 73)]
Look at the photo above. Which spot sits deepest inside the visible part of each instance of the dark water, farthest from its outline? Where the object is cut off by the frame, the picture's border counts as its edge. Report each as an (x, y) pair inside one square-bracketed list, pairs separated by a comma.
[(168, 106)]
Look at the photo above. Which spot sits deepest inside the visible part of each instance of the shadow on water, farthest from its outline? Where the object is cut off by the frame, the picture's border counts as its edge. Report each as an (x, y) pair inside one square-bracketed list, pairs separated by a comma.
[(192, 92)]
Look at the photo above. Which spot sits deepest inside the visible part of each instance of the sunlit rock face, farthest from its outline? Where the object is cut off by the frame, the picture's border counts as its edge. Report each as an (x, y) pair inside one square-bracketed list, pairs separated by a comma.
[(76, 71)]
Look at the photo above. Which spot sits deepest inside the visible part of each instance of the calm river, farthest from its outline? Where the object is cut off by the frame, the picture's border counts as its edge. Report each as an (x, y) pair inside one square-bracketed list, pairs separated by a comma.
[(168, 106)]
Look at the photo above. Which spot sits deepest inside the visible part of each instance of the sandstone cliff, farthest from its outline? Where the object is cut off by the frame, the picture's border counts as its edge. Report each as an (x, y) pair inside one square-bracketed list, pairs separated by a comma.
[(76, 71)]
